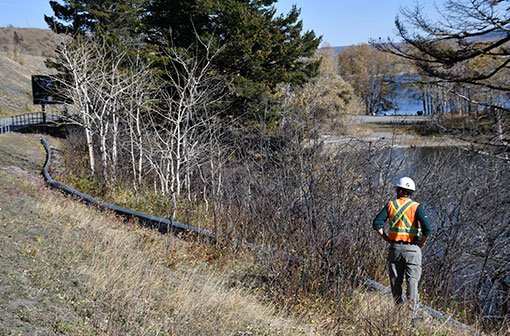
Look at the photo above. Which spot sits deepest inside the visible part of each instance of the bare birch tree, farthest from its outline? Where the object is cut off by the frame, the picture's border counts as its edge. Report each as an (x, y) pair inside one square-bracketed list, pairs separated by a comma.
[(103, 91), (77, 62), (180, 130)]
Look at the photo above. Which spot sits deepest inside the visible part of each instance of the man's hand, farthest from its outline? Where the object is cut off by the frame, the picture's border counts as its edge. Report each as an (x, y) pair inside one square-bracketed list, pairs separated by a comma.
[(383, 235), (421, 242)]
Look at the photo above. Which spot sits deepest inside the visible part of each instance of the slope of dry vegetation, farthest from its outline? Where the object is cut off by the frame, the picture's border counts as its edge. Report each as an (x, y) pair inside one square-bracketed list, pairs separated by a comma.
[(29, 41), (67, 269), (23, 52)]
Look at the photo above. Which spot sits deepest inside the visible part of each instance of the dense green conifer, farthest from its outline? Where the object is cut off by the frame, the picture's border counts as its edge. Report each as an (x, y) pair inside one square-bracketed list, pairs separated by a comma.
[(258, 49)]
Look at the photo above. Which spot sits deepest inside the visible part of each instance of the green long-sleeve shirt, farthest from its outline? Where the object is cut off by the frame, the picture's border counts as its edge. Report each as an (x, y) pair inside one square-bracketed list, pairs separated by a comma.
[(421, 216)]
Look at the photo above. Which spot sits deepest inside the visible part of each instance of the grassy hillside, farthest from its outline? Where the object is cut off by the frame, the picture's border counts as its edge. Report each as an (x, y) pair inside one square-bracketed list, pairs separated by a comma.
[(29, 41), (23, 52), (68, 269)]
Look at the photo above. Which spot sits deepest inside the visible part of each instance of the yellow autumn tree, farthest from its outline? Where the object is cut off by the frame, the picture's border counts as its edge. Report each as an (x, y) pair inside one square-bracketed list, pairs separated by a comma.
[(372, 74), (326, 95)]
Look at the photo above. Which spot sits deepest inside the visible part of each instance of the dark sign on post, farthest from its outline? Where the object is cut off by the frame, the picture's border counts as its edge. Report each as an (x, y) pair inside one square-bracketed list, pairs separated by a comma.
[(46, 90)]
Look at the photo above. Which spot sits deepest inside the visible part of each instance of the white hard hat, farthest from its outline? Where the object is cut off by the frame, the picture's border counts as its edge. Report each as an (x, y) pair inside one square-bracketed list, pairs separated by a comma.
[(406, 183)]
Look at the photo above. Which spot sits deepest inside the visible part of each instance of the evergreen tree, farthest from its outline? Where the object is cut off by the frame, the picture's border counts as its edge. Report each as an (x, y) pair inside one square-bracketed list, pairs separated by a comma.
[(88, 16), (258, 49)]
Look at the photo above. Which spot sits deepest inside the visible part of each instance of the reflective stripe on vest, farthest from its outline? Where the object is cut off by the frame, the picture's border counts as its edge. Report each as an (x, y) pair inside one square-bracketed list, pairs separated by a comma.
[(400, 214), (402, 227)]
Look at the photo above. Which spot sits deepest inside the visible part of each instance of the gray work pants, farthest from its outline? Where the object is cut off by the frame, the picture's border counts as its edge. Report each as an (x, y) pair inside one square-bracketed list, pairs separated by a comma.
[(405, 260)]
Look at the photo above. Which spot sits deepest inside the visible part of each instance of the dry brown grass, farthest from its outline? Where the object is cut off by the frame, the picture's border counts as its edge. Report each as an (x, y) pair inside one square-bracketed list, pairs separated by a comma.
[(69, 269), (150, 284), (16, 86), (29, 41), (372, 313)]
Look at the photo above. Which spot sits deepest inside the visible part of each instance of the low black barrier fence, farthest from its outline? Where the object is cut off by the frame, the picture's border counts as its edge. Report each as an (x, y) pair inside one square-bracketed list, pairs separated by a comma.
[(165, 225)]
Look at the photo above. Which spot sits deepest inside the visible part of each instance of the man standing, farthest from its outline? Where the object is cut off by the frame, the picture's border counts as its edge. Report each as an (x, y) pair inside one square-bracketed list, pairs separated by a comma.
[(409, 228)]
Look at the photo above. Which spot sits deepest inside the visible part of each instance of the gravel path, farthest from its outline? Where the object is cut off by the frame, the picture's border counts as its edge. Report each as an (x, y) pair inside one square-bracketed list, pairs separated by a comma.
[(390, 138)]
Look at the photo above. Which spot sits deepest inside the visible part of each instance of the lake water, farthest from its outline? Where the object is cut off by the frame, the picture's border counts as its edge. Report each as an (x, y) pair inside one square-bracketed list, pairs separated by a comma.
[(407, 100)]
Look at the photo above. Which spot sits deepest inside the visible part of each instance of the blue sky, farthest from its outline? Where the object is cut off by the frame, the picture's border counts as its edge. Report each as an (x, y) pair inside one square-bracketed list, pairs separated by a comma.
[(24, 13), (340, 22), (346, 22)]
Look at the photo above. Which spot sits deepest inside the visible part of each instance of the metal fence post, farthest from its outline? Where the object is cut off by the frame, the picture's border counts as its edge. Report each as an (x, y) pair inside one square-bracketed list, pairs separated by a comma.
[(43, 113)]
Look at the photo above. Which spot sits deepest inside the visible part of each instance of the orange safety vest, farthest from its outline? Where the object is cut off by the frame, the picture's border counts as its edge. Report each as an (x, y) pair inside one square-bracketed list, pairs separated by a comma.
[(403, 223)]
